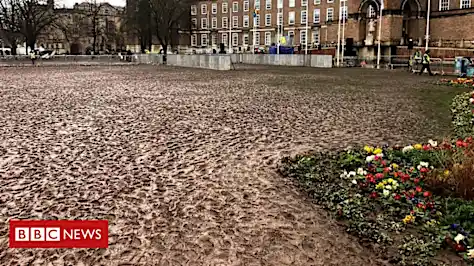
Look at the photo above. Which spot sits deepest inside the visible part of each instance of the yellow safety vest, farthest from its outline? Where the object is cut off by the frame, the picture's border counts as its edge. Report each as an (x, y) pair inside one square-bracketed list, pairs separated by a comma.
[(426, 59)]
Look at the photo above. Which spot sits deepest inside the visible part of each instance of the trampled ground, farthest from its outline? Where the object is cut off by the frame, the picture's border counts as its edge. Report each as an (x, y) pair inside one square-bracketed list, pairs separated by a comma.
[(182, 162)]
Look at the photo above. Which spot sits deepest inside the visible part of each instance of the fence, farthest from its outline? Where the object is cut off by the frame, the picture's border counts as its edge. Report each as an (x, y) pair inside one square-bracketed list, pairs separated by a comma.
[(18, 60), (324, 61)]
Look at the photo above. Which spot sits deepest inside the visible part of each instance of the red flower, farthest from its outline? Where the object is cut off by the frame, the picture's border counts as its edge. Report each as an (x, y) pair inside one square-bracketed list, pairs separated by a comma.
[(362, 184), (416, 180), (397, 197), (372, 180), (395, 174), (412, 212), (420, 205), (373, 195), (369, 176), (379, 175), (460, 143), (430, 205), (419, 189), (468, 140), (405, 177), (424, 170), (384, 163), (426, 147), (459, 247), (387, 169), (426, 194)]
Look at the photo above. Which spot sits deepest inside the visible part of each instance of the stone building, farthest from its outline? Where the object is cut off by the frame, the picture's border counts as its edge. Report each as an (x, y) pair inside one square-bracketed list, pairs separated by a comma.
[(451, 23)]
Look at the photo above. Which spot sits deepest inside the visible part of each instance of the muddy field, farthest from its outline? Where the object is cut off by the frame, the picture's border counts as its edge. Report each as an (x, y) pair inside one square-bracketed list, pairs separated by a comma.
[(182, 162)]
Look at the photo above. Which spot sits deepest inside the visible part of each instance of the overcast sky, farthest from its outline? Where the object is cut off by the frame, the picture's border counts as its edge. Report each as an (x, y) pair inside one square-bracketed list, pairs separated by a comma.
[(70, 3)]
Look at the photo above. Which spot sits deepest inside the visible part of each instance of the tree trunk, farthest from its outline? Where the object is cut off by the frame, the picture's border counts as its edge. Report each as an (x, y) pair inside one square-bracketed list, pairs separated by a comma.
[(14, 46)]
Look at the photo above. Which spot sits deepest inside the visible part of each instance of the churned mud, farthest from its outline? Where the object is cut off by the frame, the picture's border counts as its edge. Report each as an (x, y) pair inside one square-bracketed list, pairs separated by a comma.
[(182, 162)]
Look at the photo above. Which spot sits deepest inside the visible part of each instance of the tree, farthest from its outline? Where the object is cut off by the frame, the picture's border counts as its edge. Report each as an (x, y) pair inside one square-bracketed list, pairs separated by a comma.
[(138, 23), (93, 12), (9, 24)]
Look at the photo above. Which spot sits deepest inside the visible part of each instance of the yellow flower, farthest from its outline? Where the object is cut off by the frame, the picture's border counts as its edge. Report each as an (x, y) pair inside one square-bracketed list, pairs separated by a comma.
[(378, 151), (368, 149), (470, 253), (390, 180), (446, 172), (380, 186), (394, 165), (409, 219), (418, 146)]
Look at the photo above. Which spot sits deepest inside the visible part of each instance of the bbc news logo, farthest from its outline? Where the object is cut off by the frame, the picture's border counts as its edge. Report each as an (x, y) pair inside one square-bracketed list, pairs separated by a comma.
[(59, 234)]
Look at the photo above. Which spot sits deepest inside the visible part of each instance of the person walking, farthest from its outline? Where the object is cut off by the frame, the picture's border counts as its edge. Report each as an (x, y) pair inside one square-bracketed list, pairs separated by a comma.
[(426, 63), (417, 63), (32, 57)]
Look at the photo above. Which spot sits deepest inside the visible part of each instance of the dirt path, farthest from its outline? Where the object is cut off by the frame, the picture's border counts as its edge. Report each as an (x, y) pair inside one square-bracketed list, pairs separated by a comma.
[(182, 162)]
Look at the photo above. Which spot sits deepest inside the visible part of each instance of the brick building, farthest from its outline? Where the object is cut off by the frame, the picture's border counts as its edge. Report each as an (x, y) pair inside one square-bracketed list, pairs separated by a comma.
[(451, 23)]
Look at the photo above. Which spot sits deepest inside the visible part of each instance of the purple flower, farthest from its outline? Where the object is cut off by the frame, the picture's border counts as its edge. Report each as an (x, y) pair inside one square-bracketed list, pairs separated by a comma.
[(454, 226)]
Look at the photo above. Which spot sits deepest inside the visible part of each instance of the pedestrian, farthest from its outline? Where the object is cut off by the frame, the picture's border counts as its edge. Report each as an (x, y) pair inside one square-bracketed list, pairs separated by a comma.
[(32, 57), (417, 57), (426, 63)]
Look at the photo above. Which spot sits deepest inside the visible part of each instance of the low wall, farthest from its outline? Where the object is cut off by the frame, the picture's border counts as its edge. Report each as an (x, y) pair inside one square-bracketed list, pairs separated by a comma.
[(324, 61), (148, 58), (216, 62)]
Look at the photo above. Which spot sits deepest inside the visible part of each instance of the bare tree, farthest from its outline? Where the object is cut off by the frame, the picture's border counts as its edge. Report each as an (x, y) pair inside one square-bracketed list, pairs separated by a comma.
[(138, 23), (9, 24)]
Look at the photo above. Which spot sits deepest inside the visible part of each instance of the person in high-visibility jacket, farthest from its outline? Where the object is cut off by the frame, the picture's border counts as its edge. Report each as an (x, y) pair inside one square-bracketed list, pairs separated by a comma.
[(426, 61)]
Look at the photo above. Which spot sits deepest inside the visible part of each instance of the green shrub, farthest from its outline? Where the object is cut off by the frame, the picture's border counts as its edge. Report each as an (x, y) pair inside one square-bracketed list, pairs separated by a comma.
[(462, 114)]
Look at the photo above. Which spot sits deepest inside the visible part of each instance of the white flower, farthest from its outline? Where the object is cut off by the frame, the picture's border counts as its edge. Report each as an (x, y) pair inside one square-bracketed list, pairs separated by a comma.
[(351, 173), (432, 143), (343, 174), (354, 182), (386, 193), (370, 158), (459, 238), (407, 148), (424, 164), (360, 171), (389, 187), (471, 100)]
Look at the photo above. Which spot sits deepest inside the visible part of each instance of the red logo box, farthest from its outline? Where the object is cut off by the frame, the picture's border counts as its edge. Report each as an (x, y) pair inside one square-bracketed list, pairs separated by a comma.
[(59, 234)]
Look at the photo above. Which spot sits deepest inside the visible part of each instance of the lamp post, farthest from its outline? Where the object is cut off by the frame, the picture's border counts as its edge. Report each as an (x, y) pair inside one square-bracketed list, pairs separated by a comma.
[(280, 25), (338, 36), (306, 30), (428, 25), (343, 29), (379, 35)]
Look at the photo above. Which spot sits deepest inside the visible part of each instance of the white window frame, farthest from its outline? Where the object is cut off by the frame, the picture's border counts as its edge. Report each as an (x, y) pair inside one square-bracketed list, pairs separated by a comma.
[(214, 8), (268, 38), (291, 18), (235, 7), (371, 12), (317, 15), (332, 14), (204, 23), (304, 16), (235, 39), (443, 7), (204, 37), (225, 8), (304, 2), (257, 20), (302, 42), (203, 9), (194, 23), (279, 19), (225, 22), (193, 10), (344, 12), (214, 23), (257, 38), (268, 19), (315, 40), (224, 38), (246, 6), (268, 4), (291, 3), (245, 39), (317, 2), (214, 38), (246, 21), (257, 4), (235, 21), (330, 1), (194, 39), (466, 4)]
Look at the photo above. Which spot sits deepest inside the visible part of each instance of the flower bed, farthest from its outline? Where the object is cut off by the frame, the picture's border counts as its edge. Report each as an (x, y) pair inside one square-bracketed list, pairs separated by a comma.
[(408, 203), (461, 82)]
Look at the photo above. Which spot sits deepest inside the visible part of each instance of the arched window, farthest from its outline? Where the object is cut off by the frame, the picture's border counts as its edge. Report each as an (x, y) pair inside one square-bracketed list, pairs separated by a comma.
[(371, 12)]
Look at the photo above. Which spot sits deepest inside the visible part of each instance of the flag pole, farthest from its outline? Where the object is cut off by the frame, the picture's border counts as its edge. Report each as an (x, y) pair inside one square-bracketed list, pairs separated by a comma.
[(338, 36), (343, 29), (230, 9), (306, 29), (379, 36)]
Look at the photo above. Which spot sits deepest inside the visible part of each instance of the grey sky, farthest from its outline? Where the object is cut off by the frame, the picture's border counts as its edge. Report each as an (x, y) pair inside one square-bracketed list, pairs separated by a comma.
[(70, 3)]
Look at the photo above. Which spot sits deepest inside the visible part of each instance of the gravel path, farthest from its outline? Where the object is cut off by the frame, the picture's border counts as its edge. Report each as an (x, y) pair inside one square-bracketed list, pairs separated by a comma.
[(182, 162)]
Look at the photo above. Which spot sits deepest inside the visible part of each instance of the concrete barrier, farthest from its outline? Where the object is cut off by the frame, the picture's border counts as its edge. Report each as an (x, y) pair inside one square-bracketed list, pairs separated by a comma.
[(148, 59), (216, 62), (284, 60), (324, 61)]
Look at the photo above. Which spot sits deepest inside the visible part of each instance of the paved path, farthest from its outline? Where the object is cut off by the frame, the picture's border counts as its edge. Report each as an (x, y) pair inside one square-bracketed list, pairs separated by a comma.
[(182, 162)]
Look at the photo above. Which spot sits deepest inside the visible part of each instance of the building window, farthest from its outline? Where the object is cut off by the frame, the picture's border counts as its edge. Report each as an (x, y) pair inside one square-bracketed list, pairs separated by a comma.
[(204, 23), (214, 39), (257, 38), (344, 12), (257, 20), (246, 21), (291, 17), (204, 9), (214, 22), (268, 4), (194, 23), (257, 4), (268, 38), (291, 3), (443, 5), (235, 21), (303, 37), (465, 3), (316, 36), (246, 5), (235, 39), (371, 11), (316, 16), (225, 38), (330, 1), (330, 14), (303, 17), (224, 22), (193, 10), (214, 8), (317, 2), (203, 39), (280, 19), (194, 40), (246, 39), (235, 7), (268, 19), (224, 7), (304, 2)]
